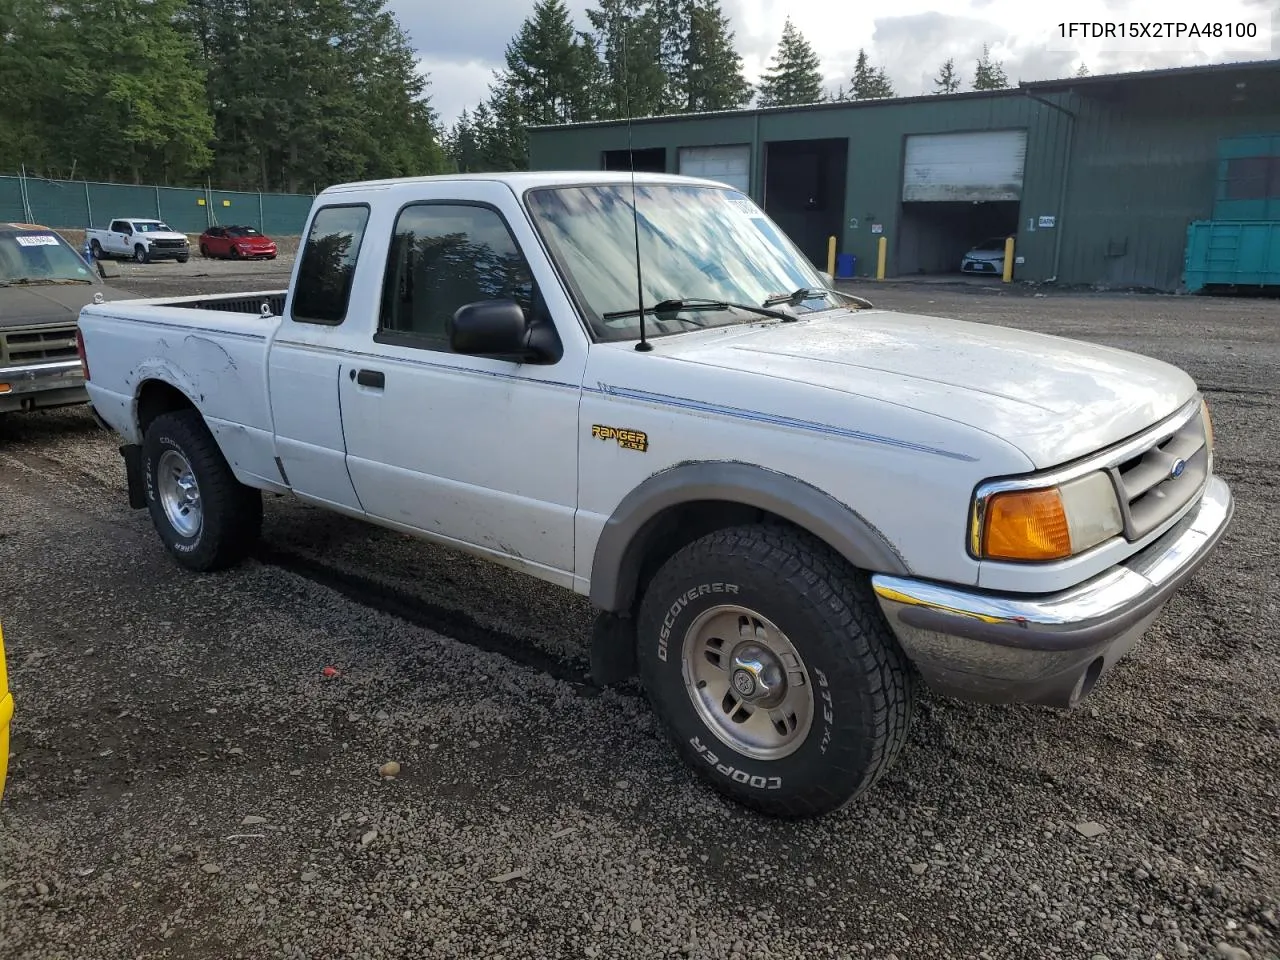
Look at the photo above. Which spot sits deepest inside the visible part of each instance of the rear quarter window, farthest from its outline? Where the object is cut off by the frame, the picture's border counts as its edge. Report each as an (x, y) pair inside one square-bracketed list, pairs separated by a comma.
[(327, 267)]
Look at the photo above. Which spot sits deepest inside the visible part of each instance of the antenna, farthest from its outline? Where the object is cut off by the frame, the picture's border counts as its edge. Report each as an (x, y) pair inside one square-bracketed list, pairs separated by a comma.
[(644, 345)]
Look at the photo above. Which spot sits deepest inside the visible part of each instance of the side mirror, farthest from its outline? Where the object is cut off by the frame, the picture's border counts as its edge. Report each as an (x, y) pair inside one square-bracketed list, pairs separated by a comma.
[(107, 269), (492, 328)]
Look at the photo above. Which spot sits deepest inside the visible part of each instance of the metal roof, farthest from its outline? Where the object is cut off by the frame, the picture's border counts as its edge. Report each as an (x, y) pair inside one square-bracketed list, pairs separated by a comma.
[(797, 108), (1204, 69), (1065, 83)]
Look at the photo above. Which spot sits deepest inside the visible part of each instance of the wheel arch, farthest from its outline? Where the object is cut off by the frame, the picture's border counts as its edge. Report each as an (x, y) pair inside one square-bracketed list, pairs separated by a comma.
[(688, 500), (156, 396)]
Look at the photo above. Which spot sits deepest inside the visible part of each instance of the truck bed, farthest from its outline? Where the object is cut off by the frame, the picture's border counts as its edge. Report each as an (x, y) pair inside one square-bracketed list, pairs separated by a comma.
[(211, 348)]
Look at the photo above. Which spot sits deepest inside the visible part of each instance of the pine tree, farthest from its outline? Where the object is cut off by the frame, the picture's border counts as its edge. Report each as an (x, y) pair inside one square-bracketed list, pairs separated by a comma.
[(547, 67), (990, 73), (1083, 71), (794, 75), (132, 96), (870, 83), (462, 145), (711, 65), (947, 80), (504, 144), (629, 39)]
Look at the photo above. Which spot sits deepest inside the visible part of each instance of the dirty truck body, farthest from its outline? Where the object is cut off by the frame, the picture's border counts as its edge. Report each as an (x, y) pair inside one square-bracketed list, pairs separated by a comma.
[(790, 508)]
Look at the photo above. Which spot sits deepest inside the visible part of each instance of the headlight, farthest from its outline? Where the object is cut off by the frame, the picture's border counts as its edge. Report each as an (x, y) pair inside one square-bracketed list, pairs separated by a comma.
[(1047, 523)]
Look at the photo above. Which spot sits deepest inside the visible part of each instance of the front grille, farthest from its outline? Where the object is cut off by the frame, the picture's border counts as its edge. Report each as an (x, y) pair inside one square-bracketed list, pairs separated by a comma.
[(38, 346), (1149, 491), (168, 244)]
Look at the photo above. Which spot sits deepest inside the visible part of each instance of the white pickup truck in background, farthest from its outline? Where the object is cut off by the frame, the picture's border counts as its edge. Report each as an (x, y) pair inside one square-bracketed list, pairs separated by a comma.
[(143, 240), (789, 507)]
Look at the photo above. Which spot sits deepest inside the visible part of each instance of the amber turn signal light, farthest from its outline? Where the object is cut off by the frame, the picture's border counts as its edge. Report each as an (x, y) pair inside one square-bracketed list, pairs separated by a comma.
[(1026, 525)]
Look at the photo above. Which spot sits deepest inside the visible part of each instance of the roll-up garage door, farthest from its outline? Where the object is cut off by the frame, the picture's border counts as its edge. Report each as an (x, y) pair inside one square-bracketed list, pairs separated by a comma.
[(729, 165), (984, 166)]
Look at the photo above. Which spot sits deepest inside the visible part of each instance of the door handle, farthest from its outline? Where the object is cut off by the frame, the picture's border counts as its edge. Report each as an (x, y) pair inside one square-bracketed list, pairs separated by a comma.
[(371, 378)]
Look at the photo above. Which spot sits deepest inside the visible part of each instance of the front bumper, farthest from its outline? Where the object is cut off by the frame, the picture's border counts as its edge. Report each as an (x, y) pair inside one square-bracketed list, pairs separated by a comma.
[(41, 385), (169, 253), (1048, 649)]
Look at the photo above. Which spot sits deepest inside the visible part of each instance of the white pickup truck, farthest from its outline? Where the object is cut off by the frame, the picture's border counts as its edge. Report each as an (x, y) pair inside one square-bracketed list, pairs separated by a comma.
[(143, 240), (790, 508)]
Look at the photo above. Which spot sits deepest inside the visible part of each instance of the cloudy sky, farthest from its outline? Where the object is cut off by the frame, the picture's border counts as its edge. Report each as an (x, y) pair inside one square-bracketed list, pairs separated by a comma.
[(462, 43)]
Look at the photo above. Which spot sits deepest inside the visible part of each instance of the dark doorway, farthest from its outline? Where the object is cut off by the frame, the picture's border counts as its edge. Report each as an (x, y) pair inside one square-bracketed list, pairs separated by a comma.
[(934, 236), (653, 160), (804, 191)]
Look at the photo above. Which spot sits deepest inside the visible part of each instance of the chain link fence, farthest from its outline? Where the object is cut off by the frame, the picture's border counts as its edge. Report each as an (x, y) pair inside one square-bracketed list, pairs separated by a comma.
[(77, 204)]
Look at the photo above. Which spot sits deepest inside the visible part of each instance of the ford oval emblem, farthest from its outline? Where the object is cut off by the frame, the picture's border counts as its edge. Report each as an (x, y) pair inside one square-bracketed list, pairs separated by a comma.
[(1176, 470)]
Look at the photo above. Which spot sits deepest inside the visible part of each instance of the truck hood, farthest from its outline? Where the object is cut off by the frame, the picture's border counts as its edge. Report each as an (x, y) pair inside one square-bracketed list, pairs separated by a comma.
[(22, 306), (1054, 399)]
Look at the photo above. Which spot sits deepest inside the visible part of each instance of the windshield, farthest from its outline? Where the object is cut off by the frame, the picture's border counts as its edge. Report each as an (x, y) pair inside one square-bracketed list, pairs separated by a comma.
[(241, 232), (695, 242), (39, 257), (151, 226)]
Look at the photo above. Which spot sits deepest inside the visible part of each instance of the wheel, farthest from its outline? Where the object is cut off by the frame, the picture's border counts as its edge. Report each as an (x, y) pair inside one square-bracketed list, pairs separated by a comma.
[(140, 254), (204, 251), (184, 259), (233, 253), (773, 670), (95, 248), (207, 519)]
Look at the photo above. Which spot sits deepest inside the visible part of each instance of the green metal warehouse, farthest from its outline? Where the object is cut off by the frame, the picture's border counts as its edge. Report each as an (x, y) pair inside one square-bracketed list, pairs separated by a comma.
[(1100, 179)]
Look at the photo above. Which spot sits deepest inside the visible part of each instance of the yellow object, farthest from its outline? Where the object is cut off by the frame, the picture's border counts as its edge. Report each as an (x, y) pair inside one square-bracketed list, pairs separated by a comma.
[(200, 201), (1026, 525), (881, 257), (226, 203), (831, 256), (6, 715), (1008, 259)]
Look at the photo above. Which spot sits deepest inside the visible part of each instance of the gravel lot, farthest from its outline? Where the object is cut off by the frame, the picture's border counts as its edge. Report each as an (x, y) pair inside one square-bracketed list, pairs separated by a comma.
[(187, 783)]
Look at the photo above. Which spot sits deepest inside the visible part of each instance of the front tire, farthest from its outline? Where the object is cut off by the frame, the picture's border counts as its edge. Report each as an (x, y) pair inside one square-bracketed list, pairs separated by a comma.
[(140, 254), (774, 671), (206, 518)]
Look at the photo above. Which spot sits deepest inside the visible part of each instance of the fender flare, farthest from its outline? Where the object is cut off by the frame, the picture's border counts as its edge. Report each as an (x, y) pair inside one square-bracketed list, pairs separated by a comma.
[(619, 551)]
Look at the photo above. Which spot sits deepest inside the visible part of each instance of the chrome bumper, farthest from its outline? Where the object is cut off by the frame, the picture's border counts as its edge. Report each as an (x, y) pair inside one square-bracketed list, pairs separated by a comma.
[(1048, 649), (42, 385)]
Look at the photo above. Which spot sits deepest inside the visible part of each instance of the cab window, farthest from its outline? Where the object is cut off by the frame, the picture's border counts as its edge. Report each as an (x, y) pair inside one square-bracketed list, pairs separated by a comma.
[(327, 269), (444, 256)]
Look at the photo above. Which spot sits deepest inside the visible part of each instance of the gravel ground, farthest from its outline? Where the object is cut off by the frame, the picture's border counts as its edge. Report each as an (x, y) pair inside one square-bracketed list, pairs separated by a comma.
[(187, 783)]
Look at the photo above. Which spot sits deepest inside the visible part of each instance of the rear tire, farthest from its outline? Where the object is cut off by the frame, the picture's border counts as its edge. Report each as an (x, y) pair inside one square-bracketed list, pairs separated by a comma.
[(206, 518), (773, 670), (95, 248)]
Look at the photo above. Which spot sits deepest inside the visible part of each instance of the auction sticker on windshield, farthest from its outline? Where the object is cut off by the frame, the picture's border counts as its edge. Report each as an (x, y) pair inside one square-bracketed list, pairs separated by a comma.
[(39, 240)]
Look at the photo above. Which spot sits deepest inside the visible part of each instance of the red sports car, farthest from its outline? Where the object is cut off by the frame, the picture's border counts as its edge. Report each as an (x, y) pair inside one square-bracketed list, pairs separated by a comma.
[(238, 243)]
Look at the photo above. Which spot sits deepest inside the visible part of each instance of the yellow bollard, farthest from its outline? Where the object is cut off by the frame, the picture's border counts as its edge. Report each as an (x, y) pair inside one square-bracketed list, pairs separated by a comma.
[(884, 253), (831, 256), (1008, 259)]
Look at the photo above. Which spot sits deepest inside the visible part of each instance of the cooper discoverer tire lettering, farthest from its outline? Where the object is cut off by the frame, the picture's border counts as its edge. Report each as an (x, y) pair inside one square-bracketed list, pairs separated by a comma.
[(206, 518), (773, 670)]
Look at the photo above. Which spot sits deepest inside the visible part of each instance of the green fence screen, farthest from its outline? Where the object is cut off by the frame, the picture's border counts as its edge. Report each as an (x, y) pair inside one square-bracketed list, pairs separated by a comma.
[(76, 204)]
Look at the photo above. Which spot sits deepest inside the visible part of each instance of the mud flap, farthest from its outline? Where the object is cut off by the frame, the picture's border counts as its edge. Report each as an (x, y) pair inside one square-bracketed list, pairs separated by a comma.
[(613, 649), (132, 454)]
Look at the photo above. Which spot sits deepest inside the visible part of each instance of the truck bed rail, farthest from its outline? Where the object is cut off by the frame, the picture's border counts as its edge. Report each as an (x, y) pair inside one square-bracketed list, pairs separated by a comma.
[(235, 302)]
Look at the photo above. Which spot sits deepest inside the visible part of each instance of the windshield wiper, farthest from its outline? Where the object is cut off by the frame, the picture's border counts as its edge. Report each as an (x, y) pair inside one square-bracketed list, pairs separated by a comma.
[(31, 281), (687, 305), (798, 297)]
